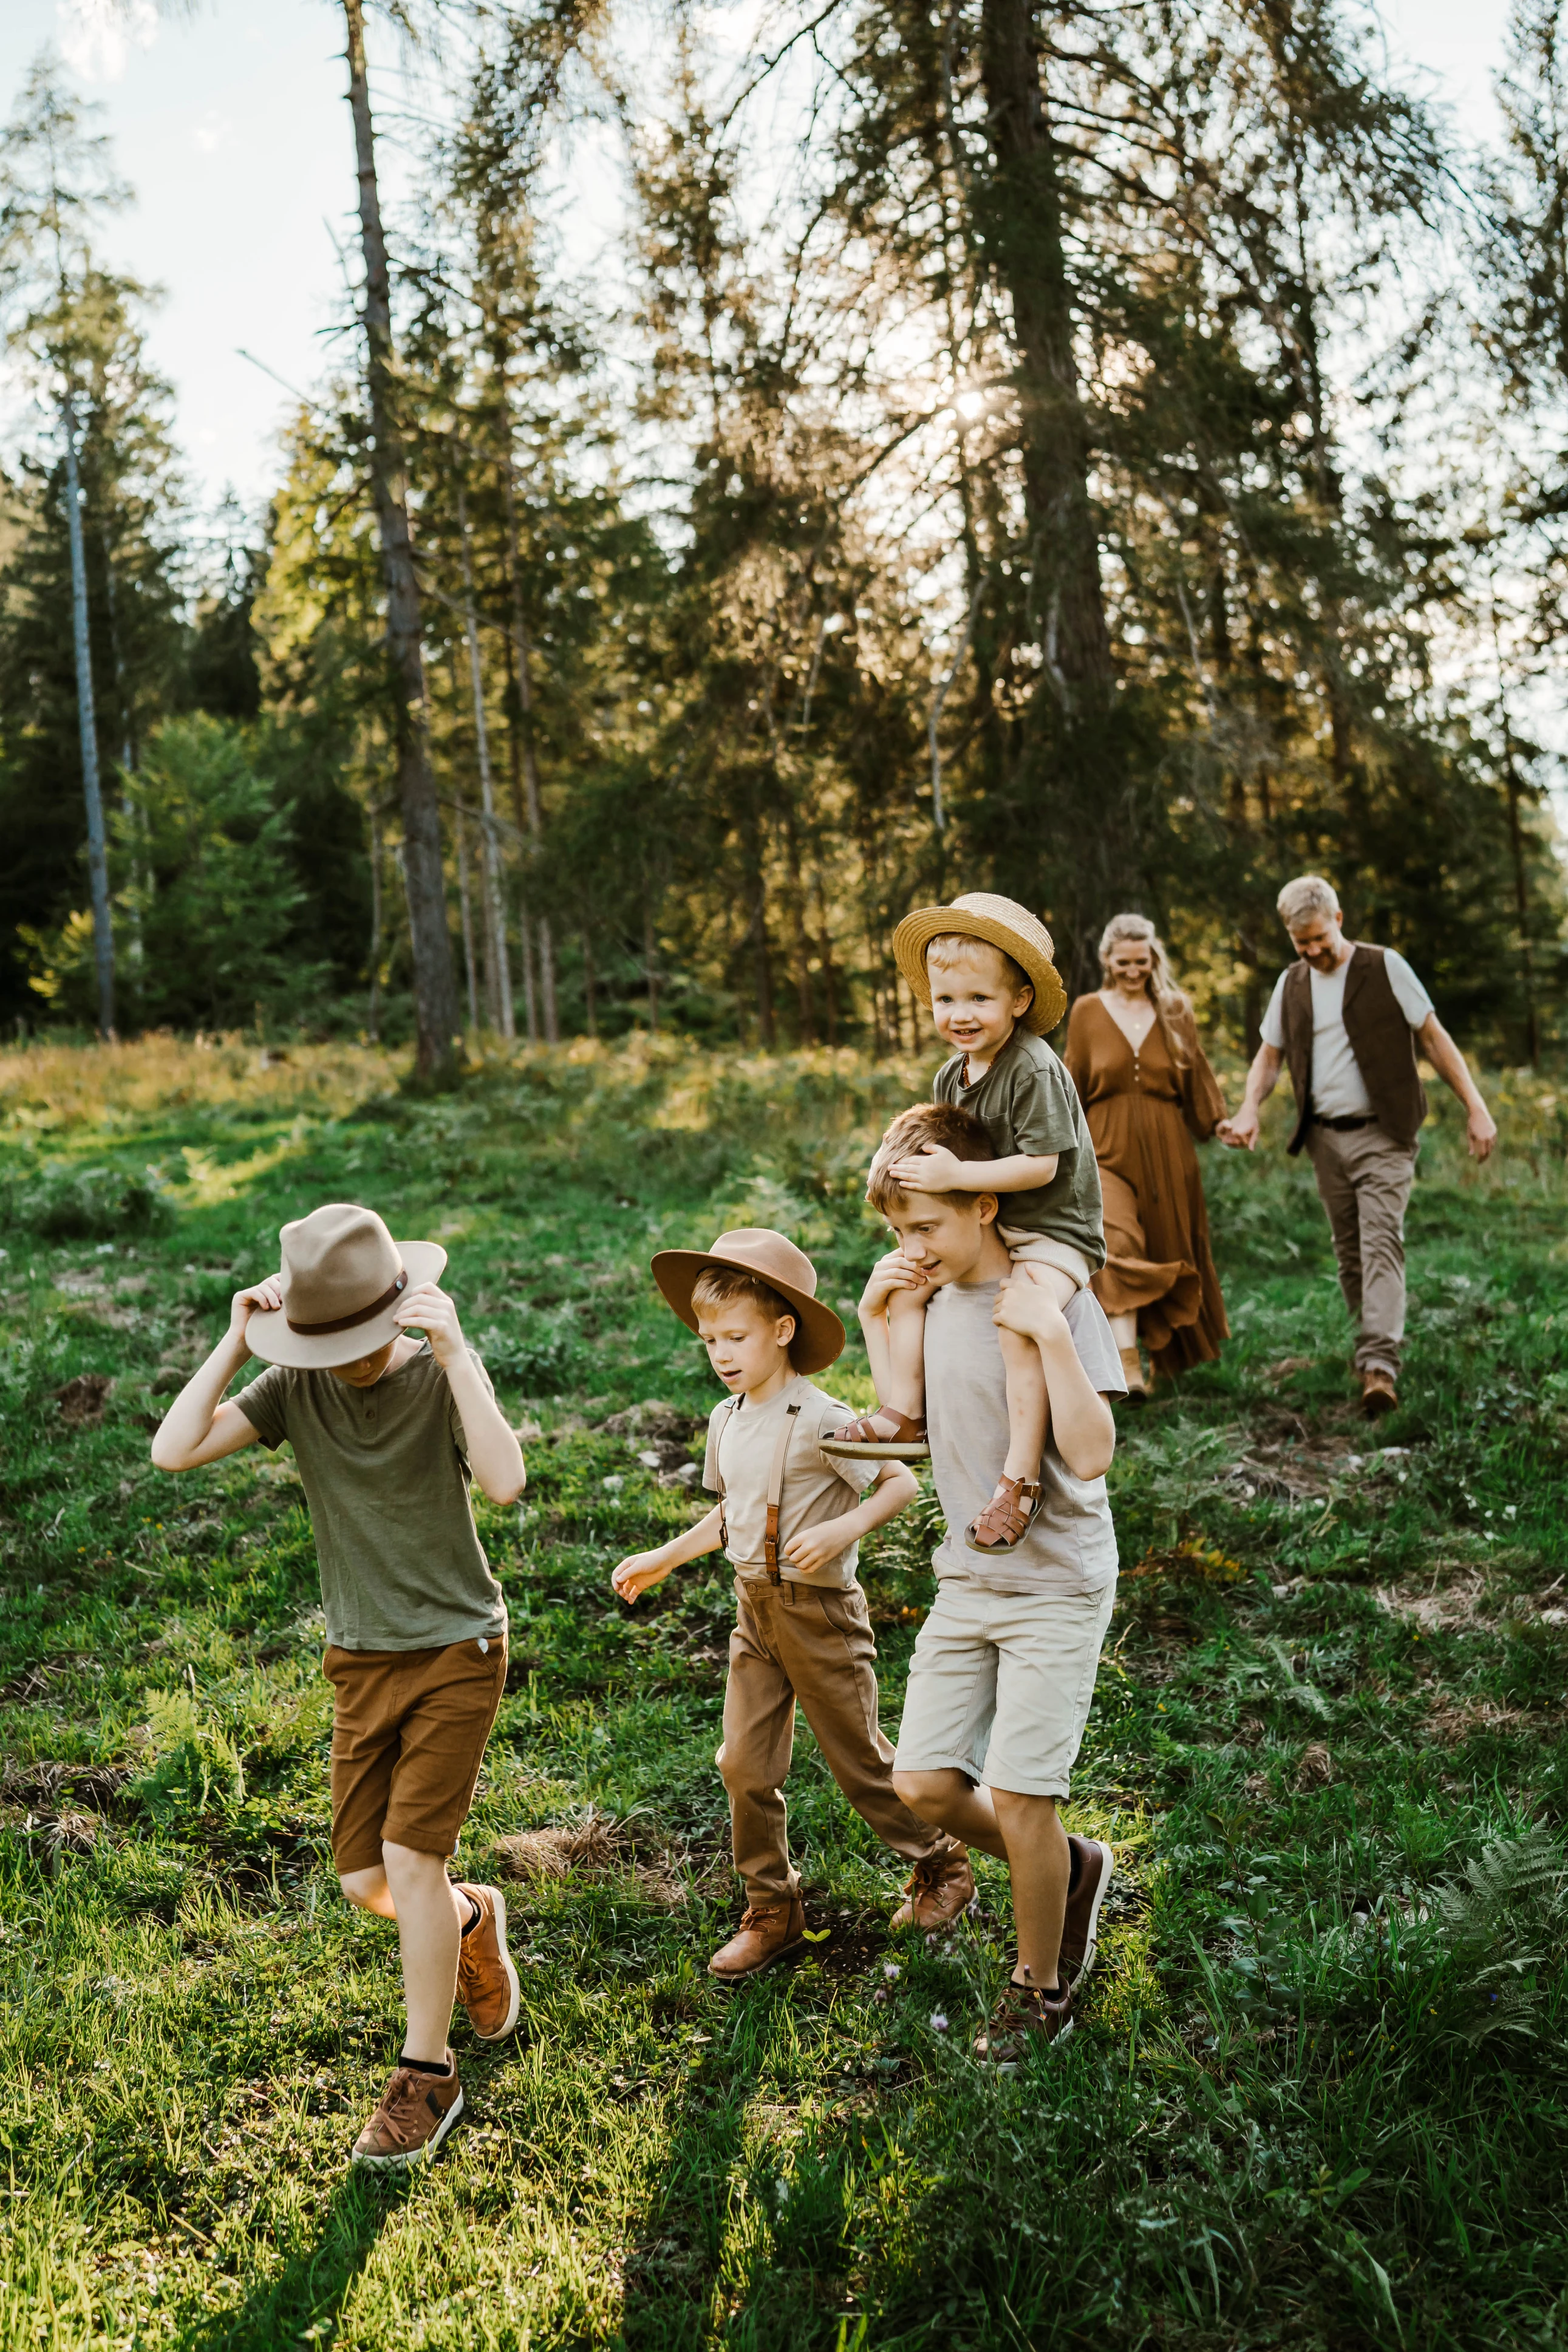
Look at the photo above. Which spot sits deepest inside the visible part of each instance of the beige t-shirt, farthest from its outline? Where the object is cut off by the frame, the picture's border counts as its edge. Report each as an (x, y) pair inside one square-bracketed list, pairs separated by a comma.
[(742, 1438), (1070, 1545)]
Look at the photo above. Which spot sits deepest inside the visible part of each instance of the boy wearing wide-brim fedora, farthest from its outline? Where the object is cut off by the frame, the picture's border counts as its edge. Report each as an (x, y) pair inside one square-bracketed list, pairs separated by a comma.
[(983, 966), (789, 1519), (387, 1431)]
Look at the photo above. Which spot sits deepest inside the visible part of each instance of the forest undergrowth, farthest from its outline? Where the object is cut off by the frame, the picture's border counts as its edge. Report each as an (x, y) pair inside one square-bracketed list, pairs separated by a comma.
[(1319, 2094)]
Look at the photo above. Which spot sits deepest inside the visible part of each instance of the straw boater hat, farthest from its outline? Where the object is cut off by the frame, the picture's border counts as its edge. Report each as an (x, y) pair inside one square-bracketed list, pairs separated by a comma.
[(757, 1249), (344, 1276), (981, 915)]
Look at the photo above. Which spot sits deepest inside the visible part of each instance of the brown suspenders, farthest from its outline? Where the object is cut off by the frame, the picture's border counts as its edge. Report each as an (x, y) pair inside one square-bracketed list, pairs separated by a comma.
[(776, 1489)]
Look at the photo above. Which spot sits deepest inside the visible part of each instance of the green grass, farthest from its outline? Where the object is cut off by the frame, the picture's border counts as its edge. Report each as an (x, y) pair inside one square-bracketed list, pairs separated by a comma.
[(1318, 2096)]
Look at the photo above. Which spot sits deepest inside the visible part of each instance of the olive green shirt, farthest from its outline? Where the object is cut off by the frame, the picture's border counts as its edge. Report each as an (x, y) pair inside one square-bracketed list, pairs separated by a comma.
[(1028, 1103), (387, 1479)]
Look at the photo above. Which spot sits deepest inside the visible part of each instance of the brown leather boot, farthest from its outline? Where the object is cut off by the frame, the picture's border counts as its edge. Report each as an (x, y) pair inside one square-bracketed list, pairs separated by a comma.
[(940, 1890), (1080, 1929), (767, 1930), (1378, 1394)]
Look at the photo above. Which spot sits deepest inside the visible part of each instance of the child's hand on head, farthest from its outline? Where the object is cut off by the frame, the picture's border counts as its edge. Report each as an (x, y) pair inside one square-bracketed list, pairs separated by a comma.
[(890, 1275), (429, 1309), (636, 1573), (932, 1169), (1028, 1306), (263, 1297)]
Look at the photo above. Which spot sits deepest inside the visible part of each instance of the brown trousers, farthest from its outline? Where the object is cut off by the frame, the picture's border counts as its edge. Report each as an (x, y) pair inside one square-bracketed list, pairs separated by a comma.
[(802, 1642), (1364, 1181)]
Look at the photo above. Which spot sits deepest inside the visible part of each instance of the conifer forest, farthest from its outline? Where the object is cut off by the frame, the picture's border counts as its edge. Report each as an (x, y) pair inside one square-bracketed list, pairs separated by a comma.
[(1111, 457)]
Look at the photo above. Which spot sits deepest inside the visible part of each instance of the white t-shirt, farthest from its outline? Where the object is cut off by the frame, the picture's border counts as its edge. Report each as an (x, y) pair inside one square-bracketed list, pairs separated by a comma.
[(816, 1485), (1339, 1090)]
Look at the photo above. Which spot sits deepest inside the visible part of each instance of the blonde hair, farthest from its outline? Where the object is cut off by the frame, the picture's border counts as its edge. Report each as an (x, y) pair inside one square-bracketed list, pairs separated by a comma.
[(721, 1285), (1170, 1004), (948, 1124), (955, 946), (1307, 895)]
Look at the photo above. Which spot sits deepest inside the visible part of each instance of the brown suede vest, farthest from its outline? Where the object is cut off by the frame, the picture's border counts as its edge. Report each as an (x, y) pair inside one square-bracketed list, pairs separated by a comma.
[(1379, 1037)]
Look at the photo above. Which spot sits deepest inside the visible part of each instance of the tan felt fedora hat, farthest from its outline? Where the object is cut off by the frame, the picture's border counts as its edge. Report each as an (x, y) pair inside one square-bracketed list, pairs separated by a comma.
[(344, 1276), (757, 1249), (980, 915)]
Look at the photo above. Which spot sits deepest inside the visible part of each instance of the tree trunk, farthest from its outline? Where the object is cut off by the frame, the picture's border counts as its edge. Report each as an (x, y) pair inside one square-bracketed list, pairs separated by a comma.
[(1023, 225), (466, 914), (87, 716), (523, 651), (498, 973), (435, 986), (375, 1022)]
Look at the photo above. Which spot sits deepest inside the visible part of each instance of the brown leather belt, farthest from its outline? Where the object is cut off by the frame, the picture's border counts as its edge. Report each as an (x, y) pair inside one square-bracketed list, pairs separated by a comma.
[(1343, 1126)]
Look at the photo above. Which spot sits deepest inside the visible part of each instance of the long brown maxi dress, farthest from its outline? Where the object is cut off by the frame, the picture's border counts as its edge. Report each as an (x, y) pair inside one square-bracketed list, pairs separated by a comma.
[(1143, 1113)]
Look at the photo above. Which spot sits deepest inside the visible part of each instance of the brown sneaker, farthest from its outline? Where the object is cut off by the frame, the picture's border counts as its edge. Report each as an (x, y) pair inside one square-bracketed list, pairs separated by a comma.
[(1020, 2015), (1378, 1394), (1080, 1929), (767, 1930), (941, 1888), (487, 1979), (416, 2112)]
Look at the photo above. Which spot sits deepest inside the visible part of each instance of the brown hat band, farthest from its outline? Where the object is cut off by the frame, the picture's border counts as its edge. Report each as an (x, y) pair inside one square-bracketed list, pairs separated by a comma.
[(347, 1322)]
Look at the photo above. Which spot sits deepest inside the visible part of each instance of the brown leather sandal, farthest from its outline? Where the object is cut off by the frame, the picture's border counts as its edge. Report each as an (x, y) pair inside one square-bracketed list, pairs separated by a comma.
[(857, 1441), (1006, 1519)]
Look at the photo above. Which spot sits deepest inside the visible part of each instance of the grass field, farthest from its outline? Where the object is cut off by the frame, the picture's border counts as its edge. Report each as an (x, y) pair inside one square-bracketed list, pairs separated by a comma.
[(1319, 2096)]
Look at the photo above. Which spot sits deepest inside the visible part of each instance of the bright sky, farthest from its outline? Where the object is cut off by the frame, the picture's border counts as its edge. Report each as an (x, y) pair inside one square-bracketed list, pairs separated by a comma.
[(232, 127)]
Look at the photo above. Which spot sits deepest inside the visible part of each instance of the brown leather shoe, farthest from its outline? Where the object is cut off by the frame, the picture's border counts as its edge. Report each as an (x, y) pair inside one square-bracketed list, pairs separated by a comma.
[(487, 1976), (1133, 1374), (1378, 1394), (767, 1930), (416, 2112), (1020, 2017), (940, 1890), (1080, 1929)]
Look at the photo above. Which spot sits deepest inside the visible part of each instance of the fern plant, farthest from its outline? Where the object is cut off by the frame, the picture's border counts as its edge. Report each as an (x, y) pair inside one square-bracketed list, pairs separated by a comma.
[(1501, 1921)]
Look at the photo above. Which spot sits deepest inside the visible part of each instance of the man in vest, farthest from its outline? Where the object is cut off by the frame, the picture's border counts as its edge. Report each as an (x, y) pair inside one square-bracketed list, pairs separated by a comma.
[(1346, 1020)]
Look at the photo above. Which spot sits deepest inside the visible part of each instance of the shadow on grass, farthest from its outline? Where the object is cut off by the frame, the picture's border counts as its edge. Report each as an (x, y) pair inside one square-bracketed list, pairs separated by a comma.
[(716, 2255), (310, 2291)]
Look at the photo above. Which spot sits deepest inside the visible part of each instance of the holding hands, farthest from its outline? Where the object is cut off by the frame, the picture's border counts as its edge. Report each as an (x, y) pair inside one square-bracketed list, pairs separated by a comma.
[(891, 1277), (1028, 1307), (639, 1574)]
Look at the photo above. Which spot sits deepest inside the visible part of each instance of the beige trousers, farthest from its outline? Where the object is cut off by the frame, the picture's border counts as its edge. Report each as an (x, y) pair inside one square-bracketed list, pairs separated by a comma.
[(801, 1643), (1363, 1181)]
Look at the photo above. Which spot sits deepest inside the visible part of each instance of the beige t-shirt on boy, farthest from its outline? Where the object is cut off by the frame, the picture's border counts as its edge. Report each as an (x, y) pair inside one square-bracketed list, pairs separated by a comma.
[(741, 1439)]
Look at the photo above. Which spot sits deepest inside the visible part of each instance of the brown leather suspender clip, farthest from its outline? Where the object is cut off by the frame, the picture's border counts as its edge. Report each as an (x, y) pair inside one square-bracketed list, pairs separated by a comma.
[(776, 1490)]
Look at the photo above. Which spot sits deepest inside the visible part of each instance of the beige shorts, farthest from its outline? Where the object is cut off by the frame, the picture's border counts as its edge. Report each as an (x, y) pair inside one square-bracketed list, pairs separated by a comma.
[(1038, 1249), (1000, 1686)]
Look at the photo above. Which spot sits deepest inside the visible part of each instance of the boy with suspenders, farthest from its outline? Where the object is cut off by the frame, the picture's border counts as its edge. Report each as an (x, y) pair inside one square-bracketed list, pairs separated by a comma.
[(802, 1633)]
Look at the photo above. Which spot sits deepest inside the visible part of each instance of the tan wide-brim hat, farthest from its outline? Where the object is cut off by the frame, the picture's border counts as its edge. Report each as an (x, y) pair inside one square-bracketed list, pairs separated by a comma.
[(979, 914), (757, 1249), (343, 1278)]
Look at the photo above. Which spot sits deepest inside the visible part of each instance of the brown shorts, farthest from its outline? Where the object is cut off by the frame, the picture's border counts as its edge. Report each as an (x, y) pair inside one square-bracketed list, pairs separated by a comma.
[(408, 1736)]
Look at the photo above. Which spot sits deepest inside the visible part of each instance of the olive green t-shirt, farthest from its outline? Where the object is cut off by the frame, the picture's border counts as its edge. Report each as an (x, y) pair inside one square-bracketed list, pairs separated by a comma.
[(1027, 1102), (386, 1479)]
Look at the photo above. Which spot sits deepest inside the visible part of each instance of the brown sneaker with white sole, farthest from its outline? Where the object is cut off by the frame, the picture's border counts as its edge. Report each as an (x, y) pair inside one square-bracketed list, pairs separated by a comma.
[(416, 2112), (487, 1975), (1080, 1929), (766, 1932), (940, 1890), (1020, 2017)]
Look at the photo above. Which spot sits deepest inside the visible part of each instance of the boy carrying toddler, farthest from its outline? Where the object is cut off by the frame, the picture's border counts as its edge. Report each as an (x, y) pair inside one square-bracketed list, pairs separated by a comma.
[(788, 1517), (984, 965), (387, 1431)]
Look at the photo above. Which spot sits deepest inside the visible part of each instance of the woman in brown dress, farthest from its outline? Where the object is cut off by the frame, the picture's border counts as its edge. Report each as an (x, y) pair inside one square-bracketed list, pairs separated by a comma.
[(1147, 1093)]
